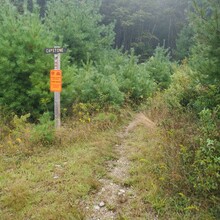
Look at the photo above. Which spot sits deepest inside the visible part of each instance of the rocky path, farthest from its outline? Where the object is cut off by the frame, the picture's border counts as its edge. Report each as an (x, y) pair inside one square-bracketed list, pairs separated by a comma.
[(115, 199)]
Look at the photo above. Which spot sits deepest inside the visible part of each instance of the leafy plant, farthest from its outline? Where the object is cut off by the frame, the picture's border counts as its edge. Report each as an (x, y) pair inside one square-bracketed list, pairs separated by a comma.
[(44, 132), (205, 176)]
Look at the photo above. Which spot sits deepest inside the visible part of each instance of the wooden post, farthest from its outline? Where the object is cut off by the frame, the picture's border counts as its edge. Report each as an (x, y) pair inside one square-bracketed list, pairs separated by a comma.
[(57, 94)]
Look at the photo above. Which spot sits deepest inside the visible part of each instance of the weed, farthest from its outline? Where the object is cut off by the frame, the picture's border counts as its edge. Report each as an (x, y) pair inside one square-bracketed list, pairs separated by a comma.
[(44, 132), (157, 173), (106, 120), (50, 182)]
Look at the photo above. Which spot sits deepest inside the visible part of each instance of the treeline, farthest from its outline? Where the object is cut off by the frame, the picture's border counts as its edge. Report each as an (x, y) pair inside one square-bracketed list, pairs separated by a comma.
[(138, 24)]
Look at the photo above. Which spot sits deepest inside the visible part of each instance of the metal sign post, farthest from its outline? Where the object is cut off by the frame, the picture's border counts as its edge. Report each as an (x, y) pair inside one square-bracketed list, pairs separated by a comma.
[(56, 81)]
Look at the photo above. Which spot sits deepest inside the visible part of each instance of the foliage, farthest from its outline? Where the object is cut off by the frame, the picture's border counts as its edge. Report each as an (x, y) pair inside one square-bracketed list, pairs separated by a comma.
[(78, 23), (112, 80), (142, 24), (5, 118), (206, 55), (24, 67), (184, 42), (135, 81), (19, 126), (93, 86), (72, 167), (182, 89), (84, 111), (21, 137), (188, 111), (205, 175), (157, 172), (208, 97), (159, 67), (44, 132)]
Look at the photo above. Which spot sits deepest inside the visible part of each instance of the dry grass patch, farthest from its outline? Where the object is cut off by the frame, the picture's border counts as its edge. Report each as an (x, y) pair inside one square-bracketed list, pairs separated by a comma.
[(50, 182)]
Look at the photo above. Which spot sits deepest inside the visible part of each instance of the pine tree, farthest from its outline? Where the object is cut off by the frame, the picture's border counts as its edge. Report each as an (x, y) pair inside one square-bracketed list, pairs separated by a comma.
[(79, 24), (24, 68)]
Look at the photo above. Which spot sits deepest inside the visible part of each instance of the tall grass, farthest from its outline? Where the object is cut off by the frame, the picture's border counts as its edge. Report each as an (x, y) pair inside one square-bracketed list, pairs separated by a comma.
[(45, 178)]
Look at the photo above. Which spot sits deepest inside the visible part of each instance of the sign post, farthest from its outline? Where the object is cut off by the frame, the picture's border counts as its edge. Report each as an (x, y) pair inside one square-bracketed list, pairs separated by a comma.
[(56, 81), (57, 94)]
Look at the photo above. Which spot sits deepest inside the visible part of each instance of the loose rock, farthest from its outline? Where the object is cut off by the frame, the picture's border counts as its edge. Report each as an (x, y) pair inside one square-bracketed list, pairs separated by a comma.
[(101, 204), (96, 207)]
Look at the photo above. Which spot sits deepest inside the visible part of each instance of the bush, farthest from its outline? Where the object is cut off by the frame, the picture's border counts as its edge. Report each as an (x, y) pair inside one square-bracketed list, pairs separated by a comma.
[(159, 67), (89, 85), (191, 120), (182, 90), (134, 82), (44, 132), (205, 175)]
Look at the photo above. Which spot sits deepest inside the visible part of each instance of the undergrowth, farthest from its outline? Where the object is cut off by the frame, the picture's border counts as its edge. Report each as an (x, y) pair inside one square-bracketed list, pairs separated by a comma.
[(177, 167), (159, 178), (45, 174)]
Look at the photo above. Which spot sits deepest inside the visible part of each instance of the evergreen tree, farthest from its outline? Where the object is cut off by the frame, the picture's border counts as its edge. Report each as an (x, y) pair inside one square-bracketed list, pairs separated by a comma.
[(79, 23), (206, 53), (143, 24), (24, 68), (184, 43)]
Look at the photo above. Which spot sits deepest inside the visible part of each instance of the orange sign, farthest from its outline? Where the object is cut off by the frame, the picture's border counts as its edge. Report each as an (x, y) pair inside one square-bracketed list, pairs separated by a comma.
[(56, 80)]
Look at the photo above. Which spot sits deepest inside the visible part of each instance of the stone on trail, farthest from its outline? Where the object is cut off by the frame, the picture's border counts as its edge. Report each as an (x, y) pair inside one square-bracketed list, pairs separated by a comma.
[(101, 204), (96, 207)]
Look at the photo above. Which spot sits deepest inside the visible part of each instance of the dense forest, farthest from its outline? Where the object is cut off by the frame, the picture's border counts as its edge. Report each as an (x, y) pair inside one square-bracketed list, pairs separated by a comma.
[(160, 56)]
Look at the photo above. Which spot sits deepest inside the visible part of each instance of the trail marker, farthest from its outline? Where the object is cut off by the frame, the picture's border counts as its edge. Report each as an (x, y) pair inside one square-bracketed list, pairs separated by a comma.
[(56, 81), (55, 50)]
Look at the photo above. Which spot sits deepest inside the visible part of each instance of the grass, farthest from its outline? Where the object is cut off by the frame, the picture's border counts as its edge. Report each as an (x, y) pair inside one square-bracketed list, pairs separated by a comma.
[(50, 182), (154, 172)]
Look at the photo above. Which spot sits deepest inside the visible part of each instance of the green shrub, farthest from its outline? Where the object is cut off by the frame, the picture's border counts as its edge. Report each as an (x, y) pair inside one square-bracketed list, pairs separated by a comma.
[(105, 120), (133, 80), (90, 85), (44, 132), (205, 176), (20, 126), (182, 89), (84, 111), (208, 97), (159, 67), (5, 119)]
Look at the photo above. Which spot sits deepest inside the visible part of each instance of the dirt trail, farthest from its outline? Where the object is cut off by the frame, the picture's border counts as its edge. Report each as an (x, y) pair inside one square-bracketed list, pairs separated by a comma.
[(115, 199)]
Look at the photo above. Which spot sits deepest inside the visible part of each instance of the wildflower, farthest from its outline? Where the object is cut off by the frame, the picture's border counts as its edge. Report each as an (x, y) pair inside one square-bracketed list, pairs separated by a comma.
[(18, 140)]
